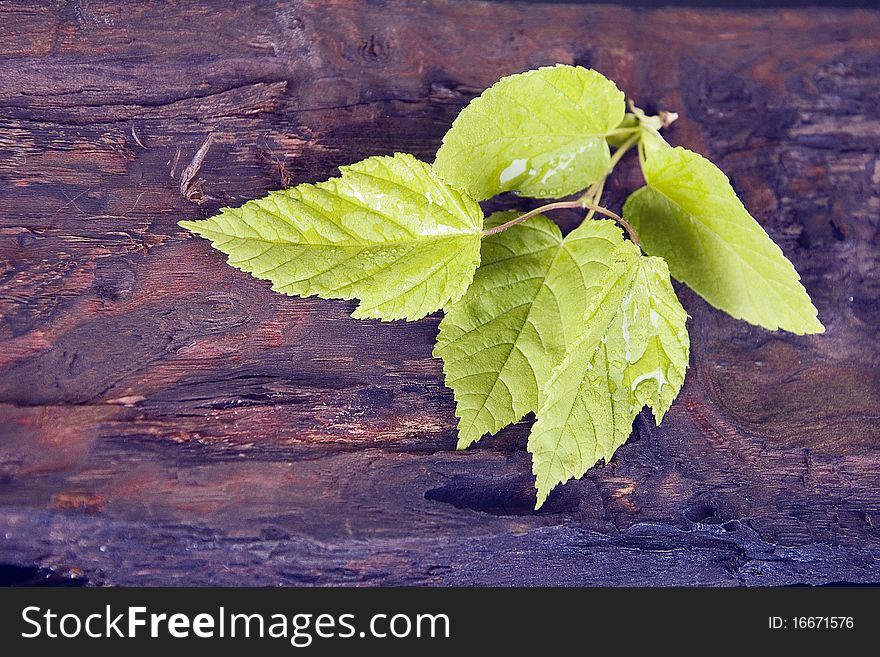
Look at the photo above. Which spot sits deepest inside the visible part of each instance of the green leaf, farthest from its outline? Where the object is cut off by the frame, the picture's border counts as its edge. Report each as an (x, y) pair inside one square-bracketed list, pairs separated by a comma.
[(632, 351), (500, 342), (539, 133), (650, 142), (689, 214), (388, 232)]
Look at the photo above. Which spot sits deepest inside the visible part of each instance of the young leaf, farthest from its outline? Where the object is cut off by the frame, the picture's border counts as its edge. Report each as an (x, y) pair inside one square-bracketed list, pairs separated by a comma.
[(539, 133), (689, 214), (500, 342), (632, 351), (388, 232)]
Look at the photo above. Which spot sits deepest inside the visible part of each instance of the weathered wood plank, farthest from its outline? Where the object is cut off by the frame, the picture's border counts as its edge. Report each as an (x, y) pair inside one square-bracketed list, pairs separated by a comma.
[(167, 419)]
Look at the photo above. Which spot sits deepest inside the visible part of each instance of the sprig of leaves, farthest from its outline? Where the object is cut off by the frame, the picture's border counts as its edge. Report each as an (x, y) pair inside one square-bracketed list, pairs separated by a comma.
[(582, 330)]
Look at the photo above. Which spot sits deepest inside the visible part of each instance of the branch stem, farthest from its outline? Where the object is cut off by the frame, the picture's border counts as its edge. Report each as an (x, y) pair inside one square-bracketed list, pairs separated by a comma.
[(588, 200), (594, 192)]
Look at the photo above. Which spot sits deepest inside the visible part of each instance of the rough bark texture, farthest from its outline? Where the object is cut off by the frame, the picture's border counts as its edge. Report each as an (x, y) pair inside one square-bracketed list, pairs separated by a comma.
[(166, 419)]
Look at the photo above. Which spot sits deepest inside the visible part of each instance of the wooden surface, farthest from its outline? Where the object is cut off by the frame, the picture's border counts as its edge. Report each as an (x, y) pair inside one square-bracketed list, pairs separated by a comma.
[(165, 419)]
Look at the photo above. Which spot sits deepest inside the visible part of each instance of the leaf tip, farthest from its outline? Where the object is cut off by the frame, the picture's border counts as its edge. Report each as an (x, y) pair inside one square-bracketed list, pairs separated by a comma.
[(543, 484), (816, 327), (810, 325), (466, 438), (542, 497)]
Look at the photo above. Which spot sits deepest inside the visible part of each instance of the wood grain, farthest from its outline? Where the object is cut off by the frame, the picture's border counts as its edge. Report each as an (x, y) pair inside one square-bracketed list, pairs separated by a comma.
[(165, 419)]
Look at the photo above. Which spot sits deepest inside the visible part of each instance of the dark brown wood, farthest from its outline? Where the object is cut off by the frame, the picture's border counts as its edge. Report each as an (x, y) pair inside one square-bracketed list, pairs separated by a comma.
[(165, 419)]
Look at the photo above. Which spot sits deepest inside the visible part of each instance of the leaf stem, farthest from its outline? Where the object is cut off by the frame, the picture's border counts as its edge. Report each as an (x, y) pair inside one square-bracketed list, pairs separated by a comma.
[(561, 205), (594, 195), (620, 152), (623, 131), (630, 231)]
